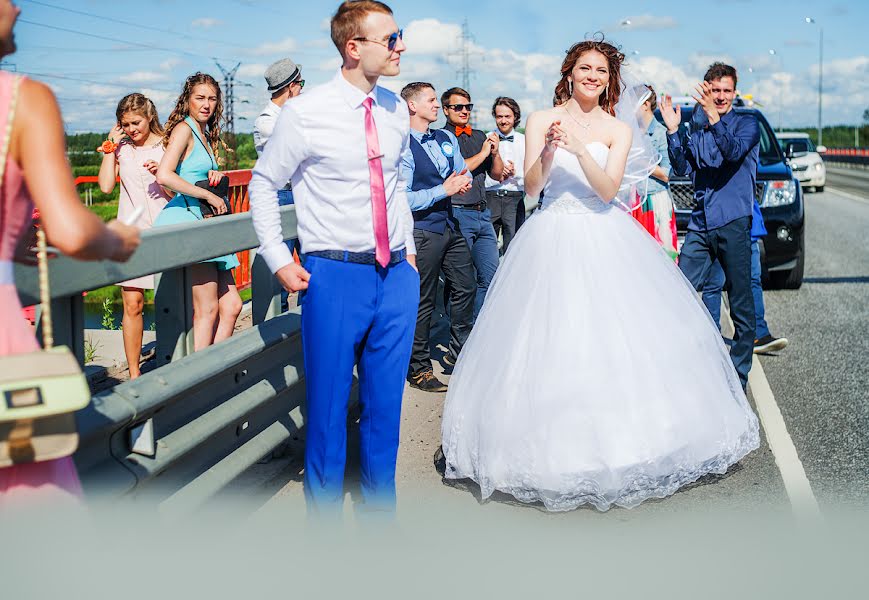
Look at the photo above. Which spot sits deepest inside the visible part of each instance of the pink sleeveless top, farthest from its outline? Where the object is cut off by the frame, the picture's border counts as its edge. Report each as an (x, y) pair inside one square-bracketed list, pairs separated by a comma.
[(16, 210)]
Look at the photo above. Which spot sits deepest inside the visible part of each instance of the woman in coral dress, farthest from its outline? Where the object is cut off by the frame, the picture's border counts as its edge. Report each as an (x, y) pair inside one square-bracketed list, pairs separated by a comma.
[(33, 159)]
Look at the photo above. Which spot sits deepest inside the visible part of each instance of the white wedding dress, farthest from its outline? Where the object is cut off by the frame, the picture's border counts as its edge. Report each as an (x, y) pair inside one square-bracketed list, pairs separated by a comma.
[(594, 374)]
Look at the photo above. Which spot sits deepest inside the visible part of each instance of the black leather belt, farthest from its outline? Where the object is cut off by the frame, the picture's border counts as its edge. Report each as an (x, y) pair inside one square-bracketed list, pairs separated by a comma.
[(505, 193), (480, 206), (362, 258)]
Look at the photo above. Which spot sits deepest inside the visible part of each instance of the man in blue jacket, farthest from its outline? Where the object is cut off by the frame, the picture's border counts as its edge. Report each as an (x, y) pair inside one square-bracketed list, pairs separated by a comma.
[(434, 171), (720, 155)]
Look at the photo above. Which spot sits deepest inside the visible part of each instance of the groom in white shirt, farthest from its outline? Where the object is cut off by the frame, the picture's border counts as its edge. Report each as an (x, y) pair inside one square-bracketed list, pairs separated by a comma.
[(341, 145)]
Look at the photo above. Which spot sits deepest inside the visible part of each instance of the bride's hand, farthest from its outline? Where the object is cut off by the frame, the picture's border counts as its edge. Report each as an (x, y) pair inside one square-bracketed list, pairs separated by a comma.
[(572, 143), (553, 134)]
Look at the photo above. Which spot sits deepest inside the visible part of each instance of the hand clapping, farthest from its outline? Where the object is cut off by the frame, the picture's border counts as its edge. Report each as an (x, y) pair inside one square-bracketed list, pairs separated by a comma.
[(457, 183), (706, 101)]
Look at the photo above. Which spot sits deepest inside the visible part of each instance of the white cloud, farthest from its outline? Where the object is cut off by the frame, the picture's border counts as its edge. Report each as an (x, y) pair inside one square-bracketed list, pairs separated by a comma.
[(142, 77), (430, 36), (171, 63), (330, 64), (280, 47), (326, 24), (252, 70), (647, 23), (206, 22)]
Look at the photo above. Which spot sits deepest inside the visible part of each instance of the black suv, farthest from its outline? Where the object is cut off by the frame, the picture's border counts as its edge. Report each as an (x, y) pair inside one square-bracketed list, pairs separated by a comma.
[(780, 196)]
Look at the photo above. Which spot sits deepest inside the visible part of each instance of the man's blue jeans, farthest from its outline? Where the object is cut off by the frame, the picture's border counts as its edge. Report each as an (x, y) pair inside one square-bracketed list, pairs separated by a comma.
[(476, 226), (730, 244), (715, 283)]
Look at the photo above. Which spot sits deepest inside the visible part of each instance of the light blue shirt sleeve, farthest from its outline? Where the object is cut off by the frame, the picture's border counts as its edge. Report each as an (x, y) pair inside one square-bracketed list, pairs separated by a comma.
[(458, 160), (419, 199)]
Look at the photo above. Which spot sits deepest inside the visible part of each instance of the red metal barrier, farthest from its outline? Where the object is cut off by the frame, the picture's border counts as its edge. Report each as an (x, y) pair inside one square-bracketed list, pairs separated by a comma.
[(238, 197)]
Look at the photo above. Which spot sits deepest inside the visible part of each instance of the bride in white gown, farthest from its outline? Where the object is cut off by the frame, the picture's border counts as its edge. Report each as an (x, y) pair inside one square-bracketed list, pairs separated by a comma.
[(582, 398)]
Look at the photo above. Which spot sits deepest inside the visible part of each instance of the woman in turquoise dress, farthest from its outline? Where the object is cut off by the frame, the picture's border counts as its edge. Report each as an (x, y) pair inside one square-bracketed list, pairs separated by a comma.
[(191, 139)]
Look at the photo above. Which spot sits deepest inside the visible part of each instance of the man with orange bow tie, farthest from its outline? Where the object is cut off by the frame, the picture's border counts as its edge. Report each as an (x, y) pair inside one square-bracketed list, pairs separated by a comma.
[(481, 157)]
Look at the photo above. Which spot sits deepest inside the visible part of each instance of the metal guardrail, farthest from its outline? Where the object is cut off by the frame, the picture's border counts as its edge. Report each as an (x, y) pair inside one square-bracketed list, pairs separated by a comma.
[(238, 199), (212, 413)]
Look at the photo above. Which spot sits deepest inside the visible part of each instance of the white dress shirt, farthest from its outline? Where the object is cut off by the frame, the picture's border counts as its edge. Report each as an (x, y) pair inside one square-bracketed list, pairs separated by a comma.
[(514, 151), (319, 144), (264, 126)]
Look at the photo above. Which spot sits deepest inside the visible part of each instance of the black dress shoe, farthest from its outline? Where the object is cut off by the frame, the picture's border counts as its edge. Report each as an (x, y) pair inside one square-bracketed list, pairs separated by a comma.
[(769, 343), (427, 382)]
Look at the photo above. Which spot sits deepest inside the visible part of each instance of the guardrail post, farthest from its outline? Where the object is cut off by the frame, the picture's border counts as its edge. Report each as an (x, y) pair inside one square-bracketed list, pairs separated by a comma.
[(265, 292), (174, 316), (67, 317)]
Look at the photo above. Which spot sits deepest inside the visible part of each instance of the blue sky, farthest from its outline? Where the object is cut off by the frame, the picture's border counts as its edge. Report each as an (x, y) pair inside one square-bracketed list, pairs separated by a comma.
[(516, 49)]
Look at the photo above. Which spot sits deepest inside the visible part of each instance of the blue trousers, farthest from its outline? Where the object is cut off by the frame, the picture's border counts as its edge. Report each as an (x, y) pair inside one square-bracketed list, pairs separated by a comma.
[(363, 316), (715, 284), (476, 226), (730, 244)]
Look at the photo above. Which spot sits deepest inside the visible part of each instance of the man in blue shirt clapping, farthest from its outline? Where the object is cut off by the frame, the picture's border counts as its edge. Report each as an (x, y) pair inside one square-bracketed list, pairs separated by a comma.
[(434, 170), (720, 155)]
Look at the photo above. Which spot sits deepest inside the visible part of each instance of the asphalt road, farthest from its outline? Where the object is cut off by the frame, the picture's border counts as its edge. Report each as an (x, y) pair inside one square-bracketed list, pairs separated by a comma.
[(819, 383), (850, 181)]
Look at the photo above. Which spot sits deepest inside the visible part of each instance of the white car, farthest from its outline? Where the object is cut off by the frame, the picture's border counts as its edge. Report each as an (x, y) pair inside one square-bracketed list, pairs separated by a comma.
[(805, 160)]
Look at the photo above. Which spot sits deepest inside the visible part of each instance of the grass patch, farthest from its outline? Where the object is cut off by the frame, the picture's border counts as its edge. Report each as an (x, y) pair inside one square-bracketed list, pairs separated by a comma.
[(106, 211)]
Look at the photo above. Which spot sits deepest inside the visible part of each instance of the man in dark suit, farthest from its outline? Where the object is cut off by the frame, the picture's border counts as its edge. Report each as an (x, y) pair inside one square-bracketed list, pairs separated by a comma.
[(435, 171)]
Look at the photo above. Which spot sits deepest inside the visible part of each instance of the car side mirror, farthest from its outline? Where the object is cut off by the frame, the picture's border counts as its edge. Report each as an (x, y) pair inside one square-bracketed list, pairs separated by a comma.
[(821, 149)]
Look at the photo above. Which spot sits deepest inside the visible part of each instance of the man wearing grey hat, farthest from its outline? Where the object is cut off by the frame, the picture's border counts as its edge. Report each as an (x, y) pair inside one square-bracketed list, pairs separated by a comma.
[(284, 80)]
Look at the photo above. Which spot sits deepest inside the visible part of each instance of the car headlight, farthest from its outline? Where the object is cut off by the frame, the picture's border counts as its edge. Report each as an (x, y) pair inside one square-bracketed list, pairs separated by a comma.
[(780, 193), (819, 166)]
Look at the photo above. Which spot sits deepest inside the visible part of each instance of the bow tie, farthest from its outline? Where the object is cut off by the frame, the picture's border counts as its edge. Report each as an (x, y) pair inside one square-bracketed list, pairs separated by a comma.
[(460, 130), (506, 138), (427, 137)]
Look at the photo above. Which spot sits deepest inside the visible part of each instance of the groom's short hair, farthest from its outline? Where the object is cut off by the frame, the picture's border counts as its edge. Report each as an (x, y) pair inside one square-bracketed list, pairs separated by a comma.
[(717, 70), (347, 22)]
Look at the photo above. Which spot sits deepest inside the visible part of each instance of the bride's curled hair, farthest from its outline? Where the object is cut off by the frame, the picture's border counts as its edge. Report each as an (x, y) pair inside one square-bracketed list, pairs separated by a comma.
[(615, 58)]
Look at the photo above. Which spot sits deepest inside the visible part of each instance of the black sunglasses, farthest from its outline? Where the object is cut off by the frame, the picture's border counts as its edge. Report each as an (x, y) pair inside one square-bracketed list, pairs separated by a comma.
[(301, 83), (390, 43), (461, 107)]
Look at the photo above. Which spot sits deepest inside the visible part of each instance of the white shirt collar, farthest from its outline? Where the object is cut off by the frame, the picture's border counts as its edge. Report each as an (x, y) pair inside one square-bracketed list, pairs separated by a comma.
[(352, 94)]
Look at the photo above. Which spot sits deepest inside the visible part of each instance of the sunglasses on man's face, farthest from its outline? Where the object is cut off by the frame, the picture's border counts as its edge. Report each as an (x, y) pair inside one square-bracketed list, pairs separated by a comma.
[(461, 107), (390, 42), (301, 83)]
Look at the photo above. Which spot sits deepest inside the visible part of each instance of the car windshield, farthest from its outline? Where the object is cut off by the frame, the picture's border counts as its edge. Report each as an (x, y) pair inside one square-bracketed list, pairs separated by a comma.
[(770, 152), (798, 144)]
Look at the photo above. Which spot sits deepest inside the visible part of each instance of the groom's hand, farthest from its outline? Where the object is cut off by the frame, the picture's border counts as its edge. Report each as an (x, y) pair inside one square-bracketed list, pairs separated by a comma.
[(293, 277)]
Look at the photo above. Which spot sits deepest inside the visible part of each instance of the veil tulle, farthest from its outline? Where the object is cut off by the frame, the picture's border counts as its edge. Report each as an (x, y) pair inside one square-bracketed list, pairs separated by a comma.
[(642, 157)]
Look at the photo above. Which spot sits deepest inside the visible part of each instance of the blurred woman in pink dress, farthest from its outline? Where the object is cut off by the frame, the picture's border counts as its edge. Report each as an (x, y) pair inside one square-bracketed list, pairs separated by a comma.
[(33, 163), (137, 140)]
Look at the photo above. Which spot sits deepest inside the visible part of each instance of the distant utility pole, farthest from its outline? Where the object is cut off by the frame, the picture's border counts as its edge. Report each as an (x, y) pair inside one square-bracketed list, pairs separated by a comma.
[(463, 53), (229, 111)]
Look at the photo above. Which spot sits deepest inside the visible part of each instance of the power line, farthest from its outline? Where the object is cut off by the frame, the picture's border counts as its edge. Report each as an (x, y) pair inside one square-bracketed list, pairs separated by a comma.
[(129, 23), (116, 40), (91, 81)]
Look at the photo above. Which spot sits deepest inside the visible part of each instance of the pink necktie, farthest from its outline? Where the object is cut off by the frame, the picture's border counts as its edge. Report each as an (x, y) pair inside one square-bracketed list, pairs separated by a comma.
[(378, 189)]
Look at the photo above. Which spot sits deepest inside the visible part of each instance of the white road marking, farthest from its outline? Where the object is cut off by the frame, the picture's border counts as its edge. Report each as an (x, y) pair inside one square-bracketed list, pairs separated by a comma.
[(847, 195), (788, 461)]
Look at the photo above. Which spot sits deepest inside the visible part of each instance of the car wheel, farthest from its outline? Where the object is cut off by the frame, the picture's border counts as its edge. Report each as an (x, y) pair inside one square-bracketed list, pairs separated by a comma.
[(793, 279), (819, 188)]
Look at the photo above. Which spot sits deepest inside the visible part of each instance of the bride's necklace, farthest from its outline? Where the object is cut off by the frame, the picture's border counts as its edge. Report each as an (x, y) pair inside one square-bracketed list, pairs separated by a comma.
[(585, 125)]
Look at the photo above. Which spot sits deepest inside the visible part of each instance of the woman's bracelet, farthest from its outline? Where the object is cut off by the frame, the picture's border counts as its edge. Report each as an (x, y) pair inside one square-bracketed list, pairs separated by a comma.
[(107, 147)]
